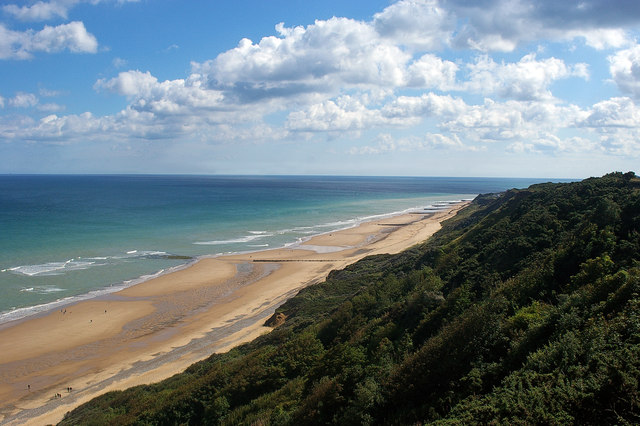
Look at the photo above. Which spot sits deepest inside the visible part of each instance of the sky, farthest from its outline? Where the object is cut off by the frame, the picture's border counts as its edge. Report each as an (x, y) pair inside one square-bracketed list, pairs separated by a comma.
[(487, 88)]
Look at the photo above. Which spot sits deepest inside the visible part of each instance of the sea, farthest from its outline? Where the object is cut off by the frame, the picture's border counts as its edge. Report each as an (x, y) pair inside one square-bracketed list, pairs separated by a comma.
[(65, 238)]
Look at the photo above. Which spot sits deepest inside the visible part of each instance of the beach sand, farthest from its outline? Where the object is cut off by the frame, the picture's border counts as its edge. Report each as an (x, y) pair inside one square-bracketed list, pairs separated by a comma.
[(157, 328)]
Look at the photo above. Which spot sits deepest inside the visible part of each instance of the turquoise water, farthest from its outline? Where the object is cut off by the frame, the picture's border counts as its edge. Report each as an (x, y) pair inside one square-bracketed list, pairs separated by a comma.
[(64, 238)]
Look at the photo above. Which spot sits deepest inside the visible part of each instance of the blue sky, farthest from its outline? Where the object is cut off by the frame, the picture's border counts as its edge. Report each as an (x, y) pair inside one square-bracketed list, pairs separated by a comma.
[(409, 87)]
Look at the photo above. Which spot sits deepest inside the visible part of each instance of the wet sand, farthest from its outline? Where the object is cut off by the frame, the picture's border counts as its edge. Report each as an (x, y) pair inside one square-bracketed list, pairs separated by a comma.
[(157, 328)]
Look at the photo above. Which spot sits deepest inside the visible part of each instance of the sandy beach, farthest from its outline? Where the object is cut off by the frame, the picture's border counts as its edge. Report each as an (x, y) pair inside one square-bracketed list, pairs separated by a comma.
[(157, 328)]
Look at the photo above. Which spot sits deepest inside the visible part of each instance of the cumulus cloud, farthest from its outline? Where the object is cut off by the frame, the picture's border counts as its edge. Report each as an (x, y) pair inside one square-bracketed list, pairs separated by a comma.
[(613, 113), (491, 122), (320, 61), (527, 79), (22, 44), (512, 120), (348, 113), (625, 70), (132, 84), (320, 58), (417, 24), (72, 36), (430, 71), (615, 121), (411, 108), (602, 38), (343, 114), (501, 25), (181, 108), (170, 97)]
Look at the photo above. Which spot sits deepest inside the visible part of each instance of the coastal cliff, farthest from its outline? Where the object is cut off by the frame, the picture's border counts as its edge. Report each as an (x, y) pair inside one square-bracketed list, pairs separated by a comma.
[(524, 308)]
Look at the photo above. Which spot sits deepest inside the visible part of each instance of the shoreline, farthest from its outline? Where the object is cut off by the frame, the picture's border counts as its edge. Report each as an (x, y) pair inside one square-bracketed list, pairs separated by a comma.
[(11, 317), (154, 329)]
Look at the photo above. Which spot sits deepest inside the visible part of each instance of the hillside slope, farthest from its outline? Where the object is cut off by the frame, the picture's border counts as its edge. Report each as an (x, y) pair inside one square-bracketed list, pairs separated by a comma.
[(525, 308)]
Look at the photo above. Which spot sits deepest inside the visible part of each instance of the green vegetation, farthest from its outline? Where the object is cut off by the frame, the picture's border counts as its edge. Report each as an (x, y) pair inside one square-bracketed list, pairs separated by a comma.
[(524, 309)]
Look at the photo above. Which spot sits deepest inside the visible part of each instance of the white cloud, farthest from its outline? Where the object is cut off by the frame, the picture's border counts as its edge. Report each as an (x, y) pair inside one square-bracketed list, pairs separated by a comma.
[(625, 70), (47, 10), (72, 36), (170, 97), (50, 107), (132, 84), (344, 114), (527, 79), (319, 59), (1, 102), (385, 143), (613, 113), (12, 44), (131, 125), (602, 38), (429, 71), (348, 113), (502, 25), (418, 24), (40, 11), (23, 100), (615, 121), (85, 126), (551, 144), (21, 45), (427, 105), (532, 124), (512, 120), (53, 127)]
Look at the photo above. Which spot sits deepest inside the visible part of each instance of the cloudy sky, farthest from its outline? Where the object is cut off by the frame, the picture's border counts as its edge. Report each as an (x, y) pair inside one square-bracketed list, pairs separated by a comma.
[(411, 87)]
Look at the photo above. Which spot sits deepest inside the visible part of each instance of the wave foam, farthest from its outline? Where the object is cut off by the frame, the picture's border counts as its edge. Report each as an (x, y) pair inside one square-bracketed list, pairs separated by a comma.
[(42, 289), (50, 268), (80, 263)]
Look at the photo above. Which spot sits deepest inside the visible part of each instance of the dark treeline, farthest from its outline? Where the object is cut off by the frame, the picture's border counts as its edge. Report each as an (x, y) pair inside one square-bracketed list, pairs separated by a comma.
[(525, 308)]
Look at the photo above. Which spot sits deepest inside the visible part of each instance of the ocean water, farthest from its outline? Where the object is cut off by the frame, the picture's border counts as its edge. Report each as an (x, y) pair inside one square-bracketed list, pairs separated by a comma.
[(66, 238)]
